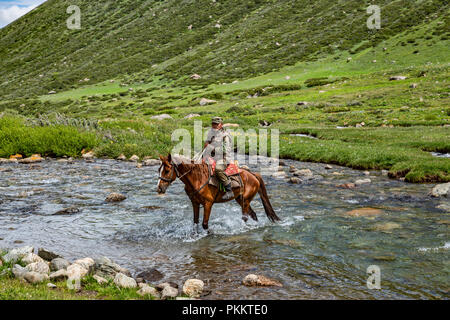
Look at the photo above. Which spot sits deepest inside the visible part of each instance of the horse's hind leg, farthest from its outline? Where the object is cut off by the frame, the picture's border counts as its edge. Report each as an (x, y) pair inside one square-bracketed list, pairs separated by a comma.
[(246, 209)]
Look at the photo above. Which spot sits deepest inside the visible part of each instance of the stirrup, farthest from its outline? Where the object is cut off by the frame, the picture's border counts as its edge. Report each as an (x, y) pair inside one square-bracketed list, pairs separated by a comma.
[(228, 195)]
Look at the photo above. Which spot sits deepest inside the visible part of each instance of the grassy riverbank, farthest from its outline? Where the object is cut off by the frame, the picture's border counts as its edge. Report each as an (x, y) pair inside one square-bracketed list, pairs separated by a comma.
[(360, 117)]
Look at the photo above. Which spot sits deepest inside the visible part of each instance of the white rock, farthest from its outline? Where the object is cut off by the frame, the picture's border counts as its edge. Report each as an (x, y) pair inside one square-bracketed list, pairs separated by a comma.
[(39, 267), (442, 189), (16, 254), (51, 286), (87, 263), (35, 277), (89, 155), (151, 162), (204, 101), (362, 181), (100, 280), (160, 117), (59, 275), (134, 158), (19, 271), (193, 287), (145, 289), (169, 292), (31, 258), (122, 281), (76, 271), (303, 172)]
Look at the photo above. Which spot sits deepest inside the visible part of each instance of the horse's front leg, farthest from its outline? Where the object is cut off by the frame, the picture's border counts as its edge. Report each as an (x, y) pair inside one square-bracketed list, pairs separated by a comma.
[(206, 214), (196, 207)]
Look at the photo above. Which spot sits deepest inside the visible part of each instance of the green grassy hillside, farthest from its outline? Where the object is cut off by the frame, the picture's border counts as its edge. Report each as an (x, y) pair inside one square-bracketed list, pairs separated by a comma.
[(227, 40)]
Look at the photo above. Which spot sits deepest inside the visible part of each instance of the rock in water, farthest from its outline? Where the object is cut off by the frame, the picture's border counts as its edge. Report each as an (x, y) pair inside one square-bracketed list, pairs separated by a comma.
[(303, 172), (145, 289), (122, 157), (151, 275), (193, 288), (258, 280), (47, 255), (364, 212), (151, 162), (35, 277), (169, 292), (362, 181), (59, 264), (40, 267), (16, 254), (67, 211), (115, 197), (134, 158), (122, 281), (442, 189)]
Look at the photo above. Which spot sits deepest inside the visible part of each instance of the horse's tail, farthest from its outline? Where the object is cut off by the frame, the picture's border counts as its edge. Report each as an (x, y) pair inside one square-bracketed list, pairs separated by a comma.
[(265, 199)]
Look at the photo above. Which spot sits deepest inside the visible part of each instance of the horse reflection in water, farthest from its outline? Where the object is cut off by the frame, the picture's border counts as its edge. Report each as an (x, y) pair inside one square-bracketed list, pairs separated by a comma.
[(196, 180)]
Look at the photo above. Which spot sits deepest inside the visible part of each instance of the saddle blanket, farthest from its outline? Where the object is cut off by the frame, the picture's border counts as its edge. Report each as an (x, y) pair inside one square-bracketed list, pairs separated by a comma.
[(232, 171)]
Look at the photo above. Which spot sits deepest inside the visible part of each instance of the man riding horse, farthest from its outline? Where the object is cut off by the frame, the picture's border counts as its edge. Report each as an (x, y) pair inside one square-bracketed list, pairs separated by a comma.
[(218, 145)]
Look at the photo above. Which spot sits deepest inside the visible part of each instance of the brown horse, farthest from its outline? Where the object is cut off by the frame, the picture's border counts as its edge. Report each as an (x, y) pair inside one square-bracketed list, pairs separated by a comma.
[(196, 180)]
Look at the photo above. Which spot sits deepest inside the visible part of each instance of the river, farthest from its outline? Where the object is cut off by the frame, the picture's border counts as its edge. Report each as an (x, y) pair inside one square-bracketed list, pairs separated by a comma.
[(317, 251)]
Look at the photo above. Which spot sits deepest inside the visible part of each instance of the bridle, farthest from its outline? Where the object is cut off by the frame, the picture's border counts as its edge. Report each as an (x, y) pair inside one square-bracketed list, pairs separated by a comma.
[(179, 176), (177, 173)]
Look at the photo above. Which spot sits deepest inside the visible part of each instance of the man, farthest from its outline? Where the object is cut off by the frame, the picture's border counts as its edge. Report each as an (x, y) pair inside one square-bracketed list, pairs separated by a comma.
[(218, 145)]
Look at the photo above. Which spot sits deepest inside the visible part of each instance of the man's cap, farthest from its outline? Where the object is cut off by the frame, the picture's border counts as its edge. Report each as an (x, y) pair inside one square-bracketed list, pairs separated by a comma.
[(217, 120)]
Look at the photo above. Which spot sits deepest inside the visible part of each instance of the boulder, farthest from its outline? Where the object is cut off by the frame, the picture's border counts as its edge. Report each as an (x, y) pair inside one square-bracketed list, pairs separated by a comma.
[(193, 287), (303, 172), (151, 275), (59, 275), (67, 211), (151, 162), (87, 263), (17, 254), (35, 277), (19, 271), (364, 212), (122, 157), (258, 280), (163, 116), (295, 180), (440, 190), (47, 255), (362, 181), (76, 271), (169, 292), (134, 158), (115, 197), (123, 281), (328, 167), (33, 159), (31, 258), (396, 78), (145, 289), (107, 269), (191, 115), (89, 155), (204, 101), (195, 76), (100, 280), (39, 267), (59, 264), (51, 286)]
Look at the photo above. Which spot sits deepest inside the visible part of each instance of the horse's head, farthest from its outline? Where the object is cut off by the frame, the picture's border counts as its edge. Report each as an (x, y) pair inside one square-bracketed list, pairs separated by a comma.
[(167, 174)]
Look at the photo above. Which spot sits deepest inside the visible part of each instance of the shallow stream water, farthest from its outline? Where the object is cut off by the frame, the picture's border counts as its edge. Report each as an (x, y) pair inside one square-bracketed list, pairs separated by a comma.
[(317, 251)]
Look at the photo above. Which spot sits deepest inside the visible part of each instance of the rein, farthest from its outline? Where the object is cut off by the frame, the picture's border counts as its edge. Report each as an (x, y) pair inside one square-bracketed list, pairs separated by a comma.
[(179, 176)]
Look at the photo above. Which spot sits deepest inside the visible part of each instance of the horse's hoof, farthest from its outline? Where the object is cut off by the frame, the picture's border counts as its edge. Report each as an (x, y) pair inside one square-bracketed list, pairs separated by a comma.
[(205, 226), (245, 218)]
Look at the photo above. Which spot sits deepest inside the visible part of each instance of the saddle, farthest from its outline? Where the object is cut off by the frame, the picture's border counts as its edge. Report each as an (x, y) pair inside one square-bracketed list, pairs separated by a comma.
[(232, 171)]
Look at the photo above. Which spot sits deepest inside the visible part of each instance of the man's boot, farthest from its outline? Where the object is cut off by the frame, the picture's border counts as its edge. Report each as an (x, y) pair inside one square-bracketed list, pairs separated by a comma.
[(229, 192)]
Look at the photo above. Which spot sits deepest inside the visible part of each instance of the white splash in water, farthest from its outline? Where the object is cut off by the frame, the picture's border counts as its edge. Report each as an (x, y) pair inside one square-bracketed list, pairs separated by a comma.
[(444, 247)]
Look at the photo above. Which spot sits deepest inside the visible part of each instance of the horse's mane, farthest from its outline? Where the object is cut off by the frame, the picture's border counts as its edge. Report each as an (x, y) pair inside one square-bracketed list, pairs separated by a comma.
[(184, 164)]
